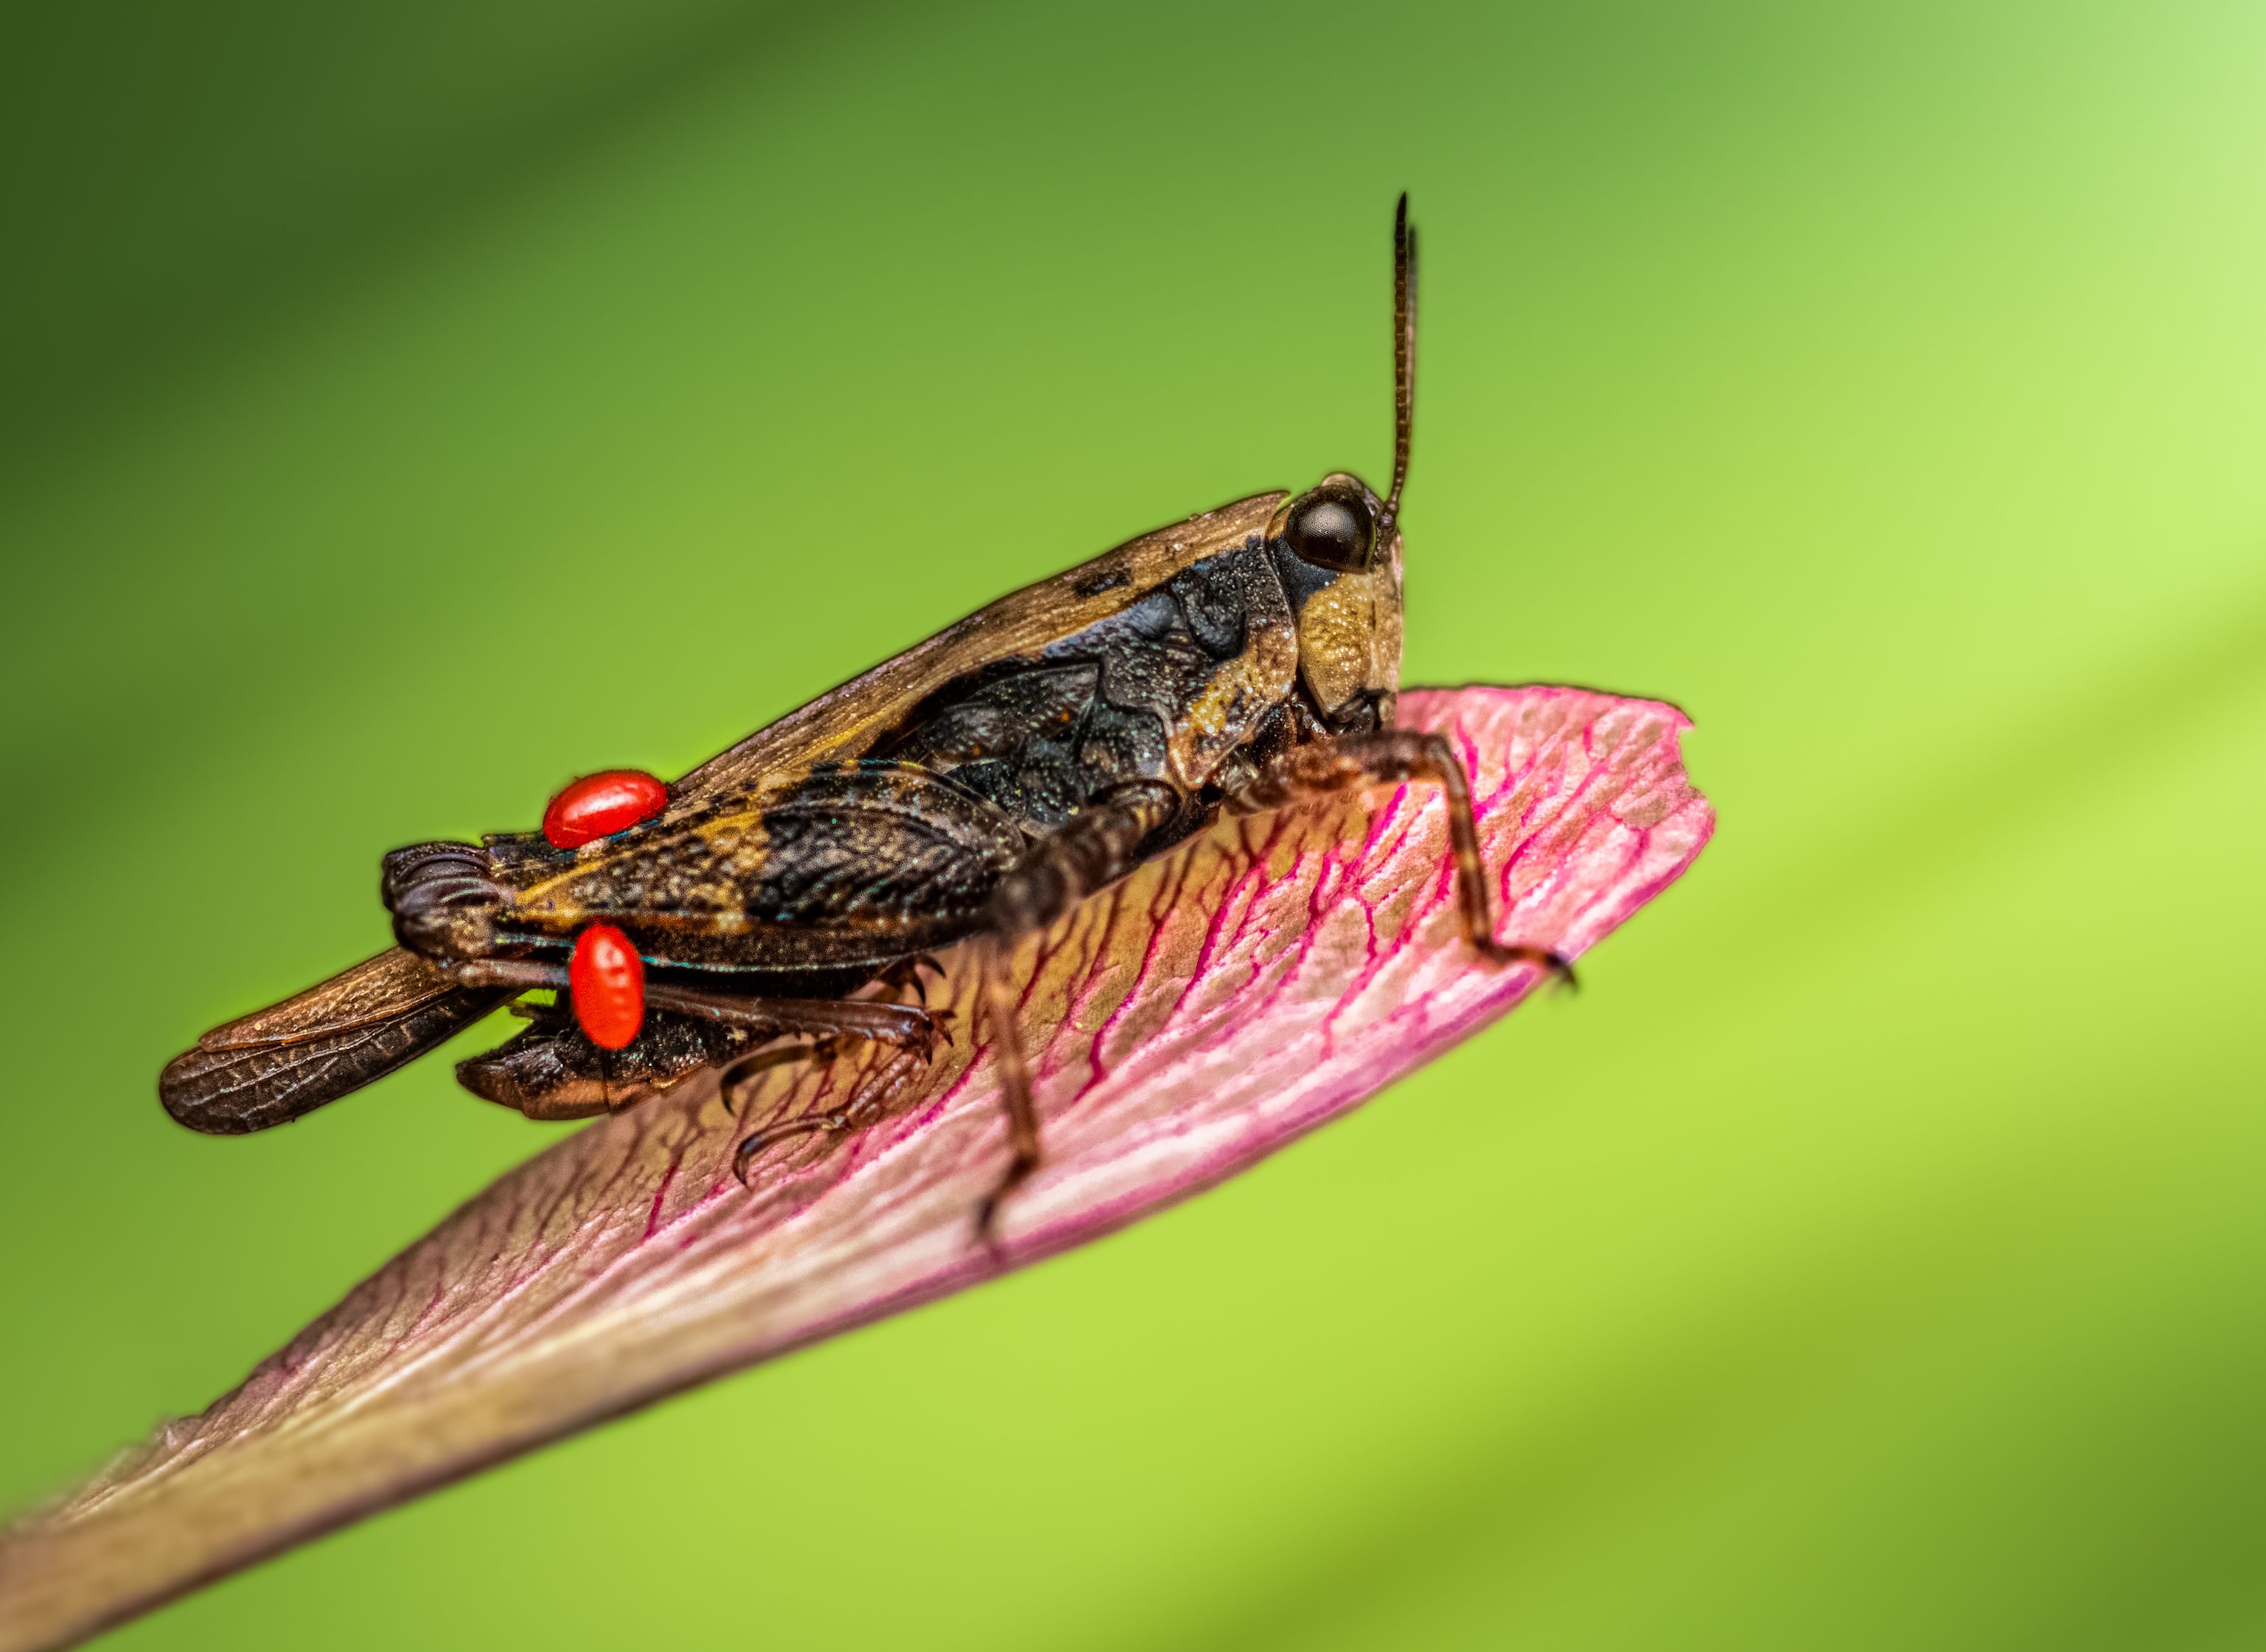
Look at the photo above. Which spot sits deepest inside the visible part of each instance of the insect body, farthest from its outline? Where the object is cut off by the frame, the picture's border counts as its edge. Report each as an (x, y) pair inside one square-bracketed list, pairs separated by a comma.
[(975, 787)]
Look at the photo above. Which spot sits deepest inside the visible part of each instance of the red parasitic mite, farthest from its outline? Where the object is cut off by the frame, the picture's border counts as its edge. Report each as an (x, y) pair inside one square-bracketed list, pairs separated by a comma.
[(600, 805), (606, 979)]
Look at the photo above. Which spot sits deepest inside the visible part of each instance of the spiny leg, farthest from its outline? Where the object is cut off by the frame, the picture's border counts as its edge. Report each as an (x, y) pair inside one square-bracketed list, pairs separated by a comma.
[(1326, 767), (870, 1098), (744, 1070), (914, 1032), (1097, 847)]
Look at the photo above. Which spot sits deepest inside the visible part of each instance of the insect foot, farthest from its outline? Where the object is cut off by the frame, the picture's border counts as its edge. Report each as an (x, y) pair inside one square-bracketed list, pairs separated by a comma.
[(910, 975), (1555, 964), (872, 1098)]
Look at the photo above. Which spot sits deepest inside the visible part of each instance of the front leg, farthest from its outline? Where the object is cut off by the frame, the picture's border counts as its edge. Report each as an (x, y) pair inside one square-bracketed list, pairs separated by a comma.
[(1097, 847), (1341, 764)]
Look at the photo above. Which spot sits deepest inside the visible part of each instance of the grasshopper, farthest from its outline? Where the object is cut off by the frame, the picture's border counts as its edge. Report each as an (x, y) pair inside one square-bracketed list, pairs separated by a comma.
[(975, 788)]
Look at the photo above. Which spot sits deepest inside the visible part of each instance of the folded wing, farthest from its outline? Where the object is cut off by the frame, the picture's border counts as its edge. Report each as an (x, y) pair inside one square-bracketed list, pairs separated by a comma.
[(285, 1060)]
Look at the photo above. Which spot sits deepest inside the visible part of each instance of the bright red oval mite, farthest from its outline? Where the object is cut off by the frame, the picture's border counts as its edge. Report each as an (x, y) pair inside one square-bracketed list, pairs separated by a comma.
[(600, 805), (606, 980)]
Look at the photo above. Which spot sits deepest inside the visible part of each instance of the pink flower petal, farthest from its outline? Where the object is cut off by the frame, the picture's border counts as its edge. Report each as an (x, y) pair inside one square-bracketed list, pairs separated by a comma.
[(1212, 1008)]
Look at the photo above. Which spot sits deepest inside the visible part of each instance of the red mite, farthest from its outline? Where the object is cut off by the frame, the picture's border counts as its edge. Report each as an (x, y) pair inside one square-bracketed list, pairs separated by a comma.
[(600, 805), (606, 979)]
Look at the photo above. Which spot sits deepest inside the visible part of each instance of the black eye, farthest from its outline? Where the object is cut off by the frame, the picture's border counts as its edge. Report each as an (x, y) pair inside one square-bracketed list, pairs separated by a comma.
[(1329, 531)]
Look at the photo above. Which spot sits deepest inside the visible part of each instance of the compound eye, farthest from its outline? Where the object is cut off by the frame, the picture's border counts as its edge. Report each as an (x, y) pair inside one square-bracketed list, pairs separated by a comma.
[(1330, 531)]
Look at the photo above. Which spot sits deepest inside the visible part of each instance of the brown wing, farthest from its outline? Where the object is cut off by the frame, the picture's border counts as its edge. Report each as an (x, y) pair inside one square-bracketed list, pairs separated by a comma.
[(844, 722), (851, 865), (289, 1059)]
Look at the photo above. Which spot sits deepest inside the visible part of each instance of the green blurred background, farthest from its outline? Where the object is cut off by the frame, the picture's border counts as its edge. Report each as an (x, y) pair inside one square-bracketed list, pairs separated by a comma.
[(408, 407)]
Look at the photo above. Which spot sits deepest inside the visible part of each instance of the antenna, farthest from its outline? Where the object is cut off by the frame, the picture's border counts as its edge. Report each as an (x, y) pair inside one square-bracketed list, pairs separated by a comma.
[(1404, 356)]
